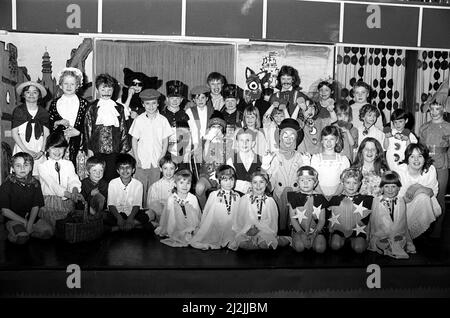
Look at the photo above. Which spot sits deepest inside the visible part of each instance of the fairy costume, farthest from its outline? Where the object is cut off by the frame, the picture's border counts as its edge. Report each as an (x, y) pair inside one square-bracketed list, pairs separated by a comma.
[(389, 233), (350, 215), (179, 220), (261, 212), (215, 229)]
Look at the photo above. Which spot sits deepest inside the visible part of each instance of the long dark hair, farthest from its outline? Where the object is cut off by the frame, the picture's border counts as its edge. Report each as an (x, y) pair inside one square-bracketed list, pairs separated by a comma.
[(424, 151), (380, 165)]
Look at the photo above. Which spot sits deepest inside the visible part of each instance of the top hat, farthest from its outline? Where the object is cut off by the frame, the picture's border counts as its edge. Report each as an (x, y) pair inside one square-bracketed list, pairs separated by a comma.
[(175, 88), (230, 91)]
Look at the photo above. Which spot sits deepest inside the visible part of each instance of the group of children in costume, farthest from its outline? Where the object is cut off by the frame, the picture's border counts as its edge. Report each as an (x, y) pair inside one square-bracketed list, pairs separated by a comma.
[(289, 170)]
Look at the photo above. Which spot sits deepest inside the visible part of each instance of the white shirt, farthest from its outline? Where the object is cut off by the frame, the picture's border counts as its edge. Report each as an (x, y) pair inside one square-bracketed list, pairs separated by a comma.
[(373, 132), (124, 197), (51, 184), (150, 134), (67, 107), (198, 126)]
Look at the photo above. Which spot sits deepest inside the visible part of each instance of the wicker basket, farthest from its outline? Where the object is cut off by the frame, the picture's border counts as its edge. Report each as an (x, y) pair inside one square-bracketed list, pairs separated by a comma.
[(80, 226)]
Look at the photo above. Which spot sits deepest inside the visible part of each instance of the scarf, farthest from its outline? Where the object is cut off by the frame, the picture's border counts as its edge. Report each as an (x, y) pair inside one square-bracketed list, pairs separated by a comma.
[(28, 181), (107, 113), (41, 119)]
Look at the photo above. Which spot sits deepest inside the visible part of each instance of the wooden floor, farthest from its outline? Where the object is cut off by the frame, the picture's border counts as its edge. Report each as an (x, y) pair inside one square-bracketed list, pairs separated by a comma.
[(136, 263)]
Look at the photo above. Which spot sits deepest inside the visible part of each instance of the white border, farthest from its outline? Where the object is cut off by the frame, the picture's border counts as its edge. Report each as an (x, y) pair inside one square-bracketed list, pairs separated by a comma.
[(183, 18), (13, 14), (99, 16), (138, 37), (402, 4), (264, 20), (394, 47), (341, 22), (419, 27)]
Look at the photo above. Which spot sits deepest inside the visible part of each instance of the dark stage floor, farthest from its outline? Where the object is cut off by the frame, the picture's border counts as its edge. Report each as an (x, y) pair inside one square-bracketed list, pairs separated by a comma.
[(136, 263)]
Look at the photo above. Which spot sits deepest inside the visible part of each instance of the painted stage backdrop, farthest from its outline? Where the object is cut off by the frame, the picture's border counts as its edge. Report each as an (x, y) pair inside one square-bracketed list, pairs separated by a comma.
[(38, 57), (312, 62)]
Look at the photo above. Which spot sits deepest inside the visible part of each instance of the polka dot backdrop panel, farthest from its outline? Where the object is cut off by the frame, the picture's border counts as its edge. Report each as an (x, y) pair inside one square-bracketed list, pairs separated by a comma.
[(382, 69), (433, 67)]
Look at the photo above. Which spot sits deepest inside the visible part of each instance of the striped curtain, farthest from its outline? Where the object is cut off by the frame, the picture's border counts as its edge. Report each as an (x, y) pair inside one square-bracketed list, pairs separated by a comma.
[(188, 62), (432, 68), (382, 69)]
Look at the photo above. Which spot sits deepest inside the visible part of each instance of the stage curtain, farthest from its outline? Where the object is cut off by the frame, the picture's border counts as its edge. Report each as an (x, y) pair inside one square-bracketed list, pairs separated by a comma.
[(432, 70), (188, 62), (382, 69)]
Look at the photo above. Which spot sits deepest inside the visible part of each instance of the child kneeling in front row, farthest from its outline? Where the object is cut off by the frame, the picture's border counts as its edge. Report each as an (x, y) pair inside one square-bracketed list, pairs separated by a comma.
[(307, 212), (20, 200), (389, 234), (125, 197), (350, 213), (181, 216), (217, 219), (94, 188), (256, 220), (160, 191)]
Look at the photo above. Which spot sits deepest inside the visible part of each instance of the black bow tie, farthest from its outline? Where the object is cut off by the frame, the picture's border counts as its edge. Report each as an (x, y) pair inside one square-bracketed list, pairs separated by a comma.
[(57, 168)]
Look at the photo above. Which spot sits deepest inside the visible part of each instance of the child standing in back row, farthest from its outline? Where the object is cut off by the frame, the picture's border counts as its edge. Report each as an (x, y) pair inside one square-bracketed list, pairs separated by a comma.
[(104, 126)]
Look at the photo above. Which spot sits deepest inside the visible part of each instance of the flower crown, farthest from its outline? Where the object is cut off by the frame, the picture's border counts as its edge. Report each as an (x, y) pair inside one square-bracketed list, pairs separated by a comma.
[(77, 72), (329, 80)]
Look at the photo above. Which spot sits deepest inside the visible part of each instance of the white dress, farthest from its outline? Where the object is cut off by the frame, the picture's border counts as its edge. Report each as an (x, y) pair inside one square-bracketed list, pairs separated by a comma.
[(329, 171), (392, 230), (177, 224), (33, 145), (422, 210), (215, 229), (260, 211)]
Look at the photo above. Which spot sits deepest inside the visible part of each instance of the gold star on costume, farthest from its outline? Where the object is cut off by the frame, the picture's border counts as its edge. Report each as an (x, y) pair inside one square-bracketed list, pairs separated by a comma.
[(359, 208), (334, 219), (359, 229), (300, 215), (317, 210)]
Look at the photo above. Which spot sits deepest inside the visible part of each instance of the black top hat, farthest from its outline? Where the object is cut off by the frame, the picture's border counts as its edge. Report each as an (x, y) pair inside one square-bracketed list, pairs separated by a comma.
[(289, 123), (176, 88), (231, 91)]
